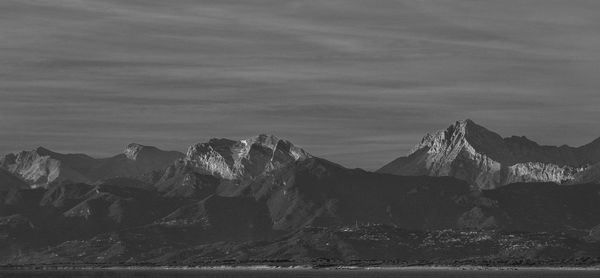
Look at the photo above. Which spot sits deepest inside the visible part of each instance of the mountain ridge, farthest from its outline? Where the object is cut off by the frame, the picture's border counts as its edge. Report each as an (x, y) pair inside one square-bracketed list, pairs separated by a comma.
[(41, 167), (473, 153), (264, 200)]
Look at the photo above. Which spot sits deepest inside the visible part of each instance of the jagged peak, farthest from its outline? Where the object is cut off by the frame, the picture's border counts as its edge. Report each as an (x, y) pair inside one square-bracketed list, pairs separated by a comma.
[(267, 140), (273, 142), (452, 134), (262, 139), (460, 128), (43, 151), (223, 145), (133, 150), (465, 133), (40, 151), (37, 151), (219, 145), (464, 123), (466, 127), (230, 159), (134, 145)]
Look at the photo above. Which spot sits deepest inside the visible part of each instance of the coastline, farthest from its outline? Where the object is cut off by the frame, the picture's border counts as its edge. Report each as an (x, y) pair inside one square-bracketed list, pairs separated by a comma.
[(297, 268)]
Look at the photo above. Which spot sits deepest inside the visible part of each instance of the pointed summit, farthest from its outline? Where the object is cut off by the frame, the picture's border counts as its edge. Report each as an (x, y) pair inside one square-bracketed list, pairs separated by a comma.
[(471, 152), (464, 125), (133, 150), (447, 152), (463, 133), (470, 129), (275, 144)]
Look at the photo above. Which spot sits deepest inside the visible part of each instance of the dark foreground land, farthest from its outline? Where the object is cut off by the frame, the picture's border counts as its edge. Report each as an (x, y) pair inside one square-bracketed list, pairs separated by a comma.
[(424, 272), (364, 246)]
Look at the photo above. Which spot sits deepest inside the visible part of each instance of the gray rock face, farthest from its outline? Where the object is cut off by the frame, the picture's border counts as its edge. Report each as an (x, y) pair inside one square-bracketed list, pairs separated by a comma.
[(133, 150), (470, 152), (248, 158), (233, 168), (40, 167)]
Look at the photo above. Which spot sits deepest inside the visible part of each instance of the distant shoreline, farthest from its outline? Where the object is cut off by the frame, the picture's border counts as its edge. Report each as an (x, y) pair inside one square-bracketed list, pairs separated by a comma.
[(298, 268)]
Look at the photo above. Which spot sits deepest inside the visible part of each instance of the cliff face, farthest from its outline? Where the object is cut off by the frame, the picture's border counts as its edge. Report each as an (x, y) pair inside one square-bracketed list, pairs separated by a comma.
[(546, 172), (40, 167), (244, 159), (471, 152)]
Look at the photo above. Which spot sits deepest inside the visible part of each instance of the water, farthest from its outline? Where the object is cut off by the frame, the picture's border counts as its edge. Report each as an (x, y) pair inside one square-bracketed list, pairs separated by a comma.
[(435, 273)]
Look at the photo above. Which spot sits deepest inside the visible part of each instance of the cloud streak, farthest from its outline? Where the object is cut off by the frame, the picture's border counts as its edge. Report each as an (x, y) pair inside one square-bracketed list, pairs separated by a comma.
[(355, 81)]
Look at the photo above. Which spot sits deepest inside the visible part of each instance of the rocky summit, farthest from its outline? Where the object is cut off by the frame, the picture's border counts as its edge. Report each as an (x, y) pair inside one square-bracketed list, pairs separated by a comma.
[(483, 158), (245, 158), (231, 165)]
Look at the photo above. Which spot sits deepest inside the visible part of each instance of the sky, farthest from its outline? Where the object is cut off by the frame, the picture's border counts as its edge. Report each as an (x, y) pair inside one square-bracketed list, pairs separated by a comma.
[(358, 82)]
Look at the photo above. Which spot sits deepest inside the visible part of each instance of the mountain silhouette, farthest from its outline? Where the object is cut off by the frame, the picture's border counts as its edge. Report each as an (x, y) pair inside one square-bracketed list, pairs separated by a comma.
[(483, 158), (264, 200)]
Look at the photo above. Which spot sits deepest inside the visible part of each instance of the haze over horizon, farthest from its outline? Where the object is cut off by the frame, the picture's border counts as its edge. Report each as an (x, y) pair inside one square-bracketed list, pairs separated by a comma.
[(356, 82)]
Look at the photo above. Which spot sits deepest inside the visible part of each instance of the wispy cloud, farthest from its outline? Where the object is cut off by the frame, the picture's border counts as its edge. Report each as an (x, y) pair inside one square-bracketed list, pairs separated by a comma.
[(355, 81)]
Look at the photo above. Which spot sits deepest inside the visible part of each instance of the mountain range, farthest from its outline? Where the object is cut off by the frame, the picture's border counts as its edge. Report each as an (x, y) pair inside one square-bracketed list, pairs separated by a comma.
[(464, 195), (42, 167), (483, 158)]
